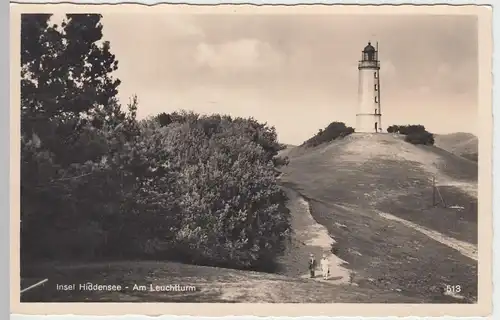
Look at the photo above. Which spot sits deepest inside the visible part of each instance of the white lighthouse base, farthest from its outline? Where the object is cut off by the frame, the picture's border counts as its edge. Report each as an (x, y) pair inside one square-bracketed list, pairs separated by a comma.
[(366, 123)]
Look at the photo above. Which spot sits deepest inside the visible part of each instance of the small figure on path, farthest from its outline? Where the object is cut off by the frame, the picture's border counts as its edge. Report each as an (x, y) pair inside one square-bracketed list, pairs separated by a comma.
[(325, 267), (312, 265)]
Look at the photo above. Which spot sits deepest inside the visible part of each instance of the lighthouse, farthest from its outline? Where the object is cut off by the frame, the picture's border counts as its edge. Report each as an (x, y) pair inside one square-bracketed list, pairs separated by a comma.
[(369, 115)]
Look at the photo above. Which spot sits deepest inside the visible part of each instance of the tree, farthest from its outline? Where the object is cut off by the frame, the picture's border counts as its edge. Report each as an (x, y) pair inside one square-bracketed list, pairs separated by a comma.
[(410, 129), (66, 75), (333, 131), (68, 116), (164, 119), (424, 137), (415, 133), (393, 129)]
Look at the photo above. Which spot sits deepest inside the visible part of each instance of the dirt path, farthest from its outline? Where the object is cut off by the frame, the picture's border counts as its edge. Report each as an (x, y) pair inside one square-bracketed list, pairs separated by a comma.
[(467, 187), (309, 237), (467, 249)]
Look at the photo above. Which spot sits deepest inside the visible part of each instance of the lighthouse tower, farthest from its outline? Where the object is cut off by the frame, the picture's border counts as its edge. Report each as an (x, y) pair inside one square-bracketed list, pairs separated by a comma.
[(369, 115)]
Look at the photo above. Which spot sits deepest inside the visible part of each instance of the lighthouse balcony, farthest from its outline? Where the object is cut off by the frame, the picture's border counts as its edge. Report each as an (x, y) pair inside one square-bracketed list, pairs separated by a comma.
[(369, 64)]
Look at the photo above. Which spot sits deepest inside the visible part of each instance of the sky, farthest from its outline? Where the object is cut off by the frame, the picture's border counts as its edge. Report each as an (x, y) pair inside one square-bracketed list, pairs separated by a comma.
[(298, 72)]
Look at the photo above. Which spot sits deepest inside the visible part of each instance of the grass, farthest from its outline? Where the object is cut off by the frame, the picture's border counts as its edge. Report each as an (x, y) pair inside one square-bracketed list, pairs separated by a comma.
[(454, 166), (387, 255), (349, 180), (458, 223), (212, 285), (459, 143)]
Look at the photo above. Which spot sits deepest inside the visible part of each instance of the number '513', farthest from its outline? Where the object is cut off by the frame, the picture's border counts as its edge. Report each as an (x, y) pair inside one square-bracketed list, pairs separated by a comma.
[(453, 289)]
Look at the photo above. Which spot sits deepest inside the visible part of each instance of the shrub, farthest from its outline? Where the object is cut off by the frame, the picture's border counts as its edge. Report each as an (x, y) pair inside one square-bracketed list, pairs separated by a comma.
[(333, 131), (164, 119), (192, 191), (415, 134), (233, 212), (410, 129), (393, 129), (426, 138)]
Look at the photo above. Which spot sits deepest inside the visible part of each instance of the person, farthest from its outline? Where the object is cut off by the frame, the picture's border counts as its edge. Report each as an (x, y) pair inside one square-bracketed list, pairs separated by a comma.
[(325, 268), (312, 265)]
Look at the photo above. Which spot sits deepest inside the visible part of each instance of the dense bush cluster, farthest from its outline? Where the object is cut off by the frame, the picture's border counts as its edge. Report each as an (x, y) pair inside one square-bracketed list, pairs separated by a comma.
[(96, 183), (333, 131), (415, 134)]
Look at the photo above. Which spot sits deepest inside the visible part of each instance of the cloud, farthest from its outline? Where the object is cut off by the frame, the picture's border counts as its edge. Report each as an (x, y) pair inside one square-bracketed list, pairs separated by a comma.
[(304, 66), (243, 54)]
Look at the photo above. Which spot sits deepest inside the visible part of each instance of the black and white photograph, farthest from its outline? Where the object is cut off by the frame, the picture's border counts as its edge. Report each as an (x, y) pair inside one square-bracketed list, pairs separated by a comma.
[(251, 155)]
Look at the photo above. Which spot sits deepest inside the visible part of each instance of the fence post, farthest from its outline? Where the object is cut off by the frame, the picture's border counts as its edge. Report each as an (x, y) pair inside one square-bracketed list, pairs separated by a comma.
[(433, 191)]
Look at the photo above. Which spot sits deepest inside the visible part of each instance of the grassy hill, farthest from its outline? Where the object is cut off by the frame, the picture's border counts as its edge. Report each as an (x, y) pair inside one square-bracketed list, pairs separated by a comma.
[(351, 181), (459, 143), (286, 151)]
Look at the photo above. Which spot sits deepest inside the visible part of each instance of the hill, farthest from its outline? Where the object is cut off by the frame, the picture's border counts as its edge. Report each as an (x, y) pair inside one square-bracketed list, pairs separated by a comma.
[(459, 143), (373, 192), (284, 152)]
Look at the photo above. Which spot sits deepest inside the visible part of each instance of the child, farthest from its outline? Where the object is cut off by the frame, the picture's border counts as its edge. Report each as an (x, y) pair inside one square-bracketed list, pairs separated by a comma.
[(312, 265), (325, 268)]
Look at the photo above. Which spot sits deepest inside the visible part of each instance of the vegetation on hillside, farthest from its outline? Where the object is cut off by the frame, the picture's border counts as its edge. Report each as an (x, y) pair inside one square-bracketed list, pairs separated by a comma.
[(471, 156), (460, 143), (333, 131), (97, 183), (349, 183), (415, 134)]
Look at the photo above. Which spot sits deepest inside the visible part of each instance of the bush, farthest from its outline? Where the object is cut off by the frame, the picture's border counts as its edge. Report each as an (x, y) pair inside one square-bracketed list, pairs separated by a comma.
[(411, 129), (415, 134), (232, 212), (426, 138), (201, 191), (333, 131), (406, 129), (393, 129), (96, 183)]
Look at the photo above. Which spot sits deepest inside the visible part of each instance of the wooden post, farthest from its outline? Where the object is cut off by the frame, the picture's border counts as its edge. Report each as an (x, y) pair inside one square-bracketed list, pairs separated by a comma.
[(433, 191), (442, 199)]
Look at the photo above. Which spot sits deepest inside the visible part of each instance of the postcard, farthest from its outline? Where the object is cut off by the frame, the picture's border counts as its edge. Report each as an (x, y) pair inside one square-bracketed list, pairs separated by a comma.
[(251, 160)]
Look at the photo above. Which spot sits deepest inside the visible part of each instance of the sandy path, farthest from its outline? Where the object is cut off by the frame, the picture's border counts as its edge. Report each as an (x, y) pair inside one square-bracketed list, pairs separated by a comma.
[(467, 249), (309, 237), (468, 187)]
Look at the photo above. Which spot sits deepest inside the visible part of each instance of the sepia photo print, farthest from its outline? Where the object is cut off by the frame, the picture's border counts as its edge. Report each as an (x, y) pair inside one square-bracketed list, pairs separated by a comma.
[(252, 155)]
